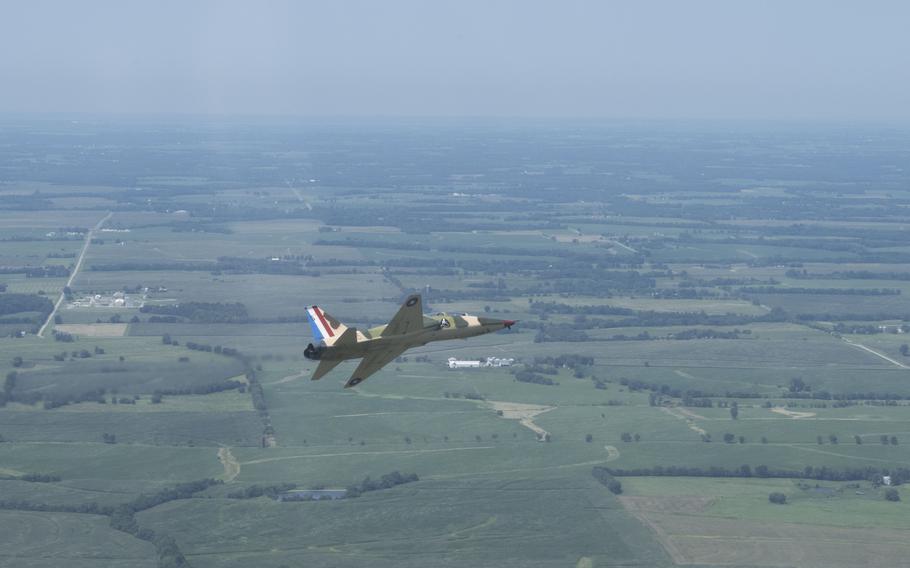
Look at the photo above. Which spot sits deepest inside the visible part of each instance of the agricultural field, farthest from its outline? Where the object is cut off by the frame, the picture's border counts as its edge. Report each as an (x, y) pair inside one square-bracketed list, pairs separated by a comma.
[(695, 319), (822, 524)]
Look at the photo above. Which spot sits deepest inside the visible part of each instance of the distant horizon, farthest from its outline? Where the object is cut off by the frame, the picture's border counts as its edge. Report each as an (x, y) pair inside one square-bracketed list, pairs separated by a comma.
[(699, 60), (378, 118)]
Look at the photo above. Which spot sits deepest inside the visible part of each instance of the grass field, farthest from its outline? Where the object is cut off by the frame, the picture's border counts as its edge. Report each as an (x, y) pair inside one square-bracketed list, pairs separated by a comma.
[(824, 524), (39, 540), (461, 521), (581, 234)]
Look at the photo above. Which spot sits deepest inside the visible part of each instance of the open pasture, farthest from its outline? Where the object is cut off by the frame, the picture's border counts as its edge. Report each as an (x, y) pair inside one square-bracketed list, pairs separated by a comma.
[(45, 540), (466, 522), (834, 527), (130, 377), (481, 220)]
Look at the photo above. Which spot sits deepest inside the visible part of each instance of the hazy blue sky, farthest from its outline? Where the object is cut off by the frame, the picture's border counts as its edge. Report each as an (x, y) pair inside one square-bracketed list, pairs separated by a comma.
[(641, 59)]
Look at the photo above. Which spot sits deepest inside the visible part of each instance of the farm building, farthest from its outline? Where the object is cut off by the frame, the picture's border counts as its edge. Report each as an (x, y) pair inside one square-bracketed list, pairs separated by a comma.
[(474, 364), (458, 364)]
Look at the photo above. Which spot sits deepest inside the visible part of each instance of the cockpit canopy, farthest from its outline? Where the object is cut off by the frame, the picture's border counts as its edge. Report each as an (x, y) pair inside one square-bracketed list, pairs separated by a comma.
[(450, 320)]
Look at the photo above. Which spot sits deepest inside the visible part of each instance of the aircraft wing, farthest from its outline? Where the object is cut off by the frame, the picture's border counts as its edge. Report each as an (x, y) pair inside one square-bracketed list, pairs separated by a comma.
[(372, 363), (408, 319), (324, 367)]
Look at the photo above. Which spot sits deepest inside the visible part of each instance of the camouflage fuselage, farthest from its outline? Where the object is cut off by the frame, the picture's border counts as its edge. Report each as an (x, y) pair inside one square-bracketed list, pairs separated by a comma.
[(440, 327)]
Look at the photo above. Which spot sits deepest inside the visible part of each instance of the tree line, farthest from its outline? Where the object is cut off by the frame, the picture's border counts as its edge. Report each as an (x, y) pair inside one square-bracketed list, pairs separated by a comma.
[(202, 312), (253, 491), (528, 376), (122, 517), (898, 475), (648, 318), (603, 475), (826, 291), (47, 271), (387, 481), (847, 275)]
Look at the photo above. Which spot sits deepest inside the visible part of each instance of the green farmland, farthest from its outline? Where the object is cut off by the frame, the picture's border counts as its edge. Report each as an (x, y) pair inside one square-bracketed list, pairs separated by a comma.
[(708, 338)]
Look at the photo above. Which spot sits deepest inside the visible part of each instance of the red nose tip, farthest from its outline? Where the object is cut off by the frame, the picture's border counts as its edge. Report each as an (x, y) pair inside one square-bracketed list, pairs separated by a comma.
[(508, 323)]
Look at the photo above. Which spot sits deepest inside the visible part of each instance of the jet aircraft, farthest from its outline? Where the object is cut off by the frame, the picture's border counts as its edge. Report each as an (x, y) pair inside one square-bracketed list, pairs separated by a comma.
[(378, 346)]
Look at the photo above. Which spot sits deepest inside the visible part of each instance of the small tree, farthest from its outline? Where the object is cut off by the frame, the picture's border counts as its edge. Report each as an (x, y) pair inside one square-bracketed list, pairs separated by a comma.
[(626, 437), (891, 494), (729, 438), (832, 438), (734, 410), (893, 440), (777, 498), (884, 439), (589, 438), (764, 440), (858, 440), (10, 384), (637, 437), (820, 440)]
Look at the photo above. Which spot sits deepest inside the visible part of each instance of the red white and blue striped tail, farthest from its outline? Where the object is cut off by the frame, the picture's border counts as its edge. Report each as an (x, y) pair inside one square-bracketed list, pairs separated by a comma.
[(325, 327)]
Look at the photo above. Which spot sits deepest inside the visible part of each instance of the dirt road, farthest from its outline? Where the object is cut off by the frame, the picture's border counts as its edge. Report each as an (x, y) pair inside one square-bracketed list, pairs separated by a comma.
[(230, 463)]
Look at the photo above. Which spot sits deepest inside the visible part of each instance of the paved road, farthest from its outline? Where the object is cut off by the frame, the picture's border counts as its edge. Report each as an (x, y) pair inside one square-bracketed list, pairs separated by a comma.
[(88, 241)]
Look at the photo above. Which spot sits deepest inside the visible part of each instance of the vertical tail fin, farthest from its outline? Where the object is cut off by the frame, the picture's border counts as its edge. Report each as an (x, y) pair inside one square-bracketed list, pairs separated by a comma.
[(325, 328)]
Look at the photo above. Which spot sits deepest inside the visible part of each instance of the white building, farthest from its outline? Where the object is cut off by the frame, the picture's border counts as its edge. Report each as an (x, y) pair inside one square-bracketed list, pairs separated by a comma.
[(456, 364), (474, 364), (498, 362)]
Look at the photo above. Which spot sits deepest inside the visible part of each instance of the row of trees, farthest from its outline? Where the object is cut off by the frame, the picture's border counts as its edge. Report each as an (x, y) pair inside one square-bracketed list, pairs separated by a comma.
[(48, 271), (848, 275), (387, 481), (202, 312), (526, 376), (873, 475), (253, 491), (824, 291), (122, 517), (647, 318), (603, 475)]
